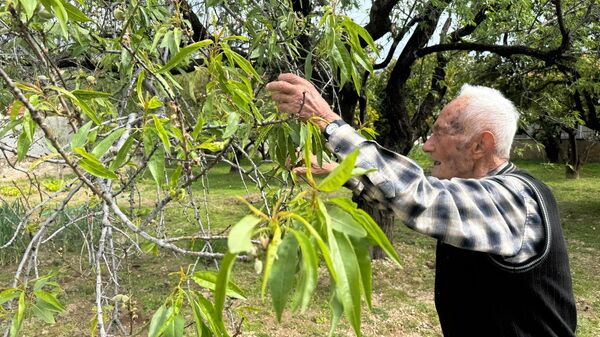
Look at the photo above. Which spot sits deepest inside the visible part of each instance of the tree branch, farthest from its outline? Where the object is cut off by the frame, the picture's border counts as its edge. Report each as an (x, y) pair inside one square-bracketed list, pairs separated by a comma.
[(399, 36), (200, 32), (379, 18), (549, 56), (565, 42)]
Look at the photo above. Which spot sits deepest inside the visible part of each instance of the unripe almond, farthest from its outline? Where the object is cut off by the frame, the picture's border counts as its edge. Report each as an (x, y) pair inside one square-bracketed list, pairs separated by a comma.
[(119, 14)]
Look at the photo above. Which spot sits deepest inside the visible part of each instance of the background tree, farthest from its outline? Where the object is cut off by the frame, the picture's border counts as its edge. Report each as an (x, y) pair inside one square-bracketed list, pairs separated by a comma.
[(171, 88)]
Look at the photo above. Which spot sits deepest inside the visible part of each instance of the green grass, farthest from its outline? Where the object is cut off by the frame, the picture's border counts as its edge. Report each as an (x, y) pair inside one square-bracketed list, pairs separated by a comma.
[(402, 296)]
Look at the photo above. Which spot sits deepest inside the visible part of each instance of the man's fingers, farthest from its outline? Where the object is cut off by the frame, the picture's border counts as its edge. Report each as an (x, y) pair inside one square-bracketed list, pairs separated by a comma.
[(290, 108), (293, 79), (282, 98), (282, 87)]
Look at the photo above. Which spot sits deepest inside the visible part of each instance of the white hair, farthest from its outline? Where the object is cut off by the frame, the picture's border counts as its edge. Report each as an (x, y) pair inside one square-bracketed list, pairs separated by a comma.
[(488, 110)]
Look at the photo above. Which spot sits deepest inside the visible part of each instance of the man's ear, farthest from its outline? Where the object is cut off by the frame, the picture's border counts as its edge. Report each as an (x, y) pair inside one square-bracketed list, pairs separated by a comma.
[(484, 144)]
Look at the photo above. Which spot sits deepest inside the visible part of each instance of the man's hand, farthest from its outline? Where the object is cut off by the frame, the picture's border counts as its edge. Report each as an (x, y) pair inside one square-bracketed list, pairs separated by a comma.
[(315, 168), (298, 97)]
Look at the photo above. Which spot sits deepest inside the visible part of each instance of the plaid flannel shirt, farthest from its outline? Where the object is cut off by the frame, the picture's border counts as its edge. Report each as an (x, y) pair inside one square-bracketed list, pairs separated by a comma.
[(497, 214)]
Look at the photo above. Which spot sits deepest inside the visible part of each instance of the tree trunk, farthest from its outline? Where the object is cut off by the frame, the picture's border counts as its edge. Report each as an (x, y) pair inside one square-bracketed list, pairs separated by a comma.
[(573, 163), (385, 220), (552, 148)]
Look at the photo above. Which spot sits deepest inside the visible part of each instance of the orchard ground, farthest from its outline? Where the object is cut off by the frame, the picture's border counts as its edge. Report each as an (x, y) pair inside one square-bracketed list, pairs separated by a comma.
[(402, 295)]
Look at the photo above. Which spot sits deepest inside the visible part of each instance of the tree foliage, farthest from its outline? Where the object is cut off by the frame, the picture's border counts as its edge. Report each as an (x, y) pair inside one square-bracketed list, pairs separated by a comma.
[(126, 78)]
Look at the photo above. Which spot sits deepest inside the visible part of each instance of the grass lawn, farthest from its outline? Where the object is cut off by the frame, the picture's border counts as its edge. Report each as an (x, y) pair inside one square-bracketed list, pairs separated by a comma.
[(402, 296)]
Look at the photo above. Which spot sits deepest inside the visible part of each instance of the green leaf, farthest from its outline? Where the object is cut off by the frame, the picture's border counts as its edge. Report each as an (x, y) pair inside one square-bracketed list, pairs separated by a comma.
[(29, 127), (322, 246), (338, 60), (125, 63), (93, 326), (43, 313), (308, 66), (122, 154), (175, 329), (162, 133), (107, 142), (174, 178), (9, 127), (363, 256), (212, 146), (203, 308), (270, 258), (156, 165), (183, 53), (281, 278), (338, 177), (62, 90), (208, 280), (89, 94), (354, 28), (348, 286), (241, 62), (29, 87), (87, 110), (374, 231), (74, 13), (149, 247), (15, 325), (201, 328), (233, 121), (43, 281), (239, 238), (359, 171), (23, 144), (138, 88), (93, 166), (81, 136), (307, 152), (362, 59), (212, 3), (343, 222), (317, 143), (62, 16), (337, 309), (8, 295), (154, 103), (308, 273), (158, 320), (199, 125), (175, 41), (29, 6), (50, 299), (41, 160), (222, 282), (346, 65)]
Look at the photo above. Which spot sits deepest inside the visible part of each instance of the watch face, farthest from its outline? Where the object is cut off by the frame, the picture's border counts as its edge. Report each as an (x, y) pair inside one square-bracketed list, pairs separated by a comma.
[(330, 128)]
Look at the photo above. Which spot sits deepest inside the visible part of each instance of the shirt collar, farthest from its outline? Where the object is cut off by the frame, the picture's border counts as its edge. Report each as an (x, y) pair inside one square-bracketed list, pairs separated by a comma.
[(505, 167)]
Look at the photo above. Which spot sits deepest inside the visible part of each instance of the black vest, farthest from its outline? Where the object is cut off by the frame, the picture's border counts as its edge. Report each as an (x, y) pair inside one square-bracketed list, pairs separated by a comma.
[(478, 295)]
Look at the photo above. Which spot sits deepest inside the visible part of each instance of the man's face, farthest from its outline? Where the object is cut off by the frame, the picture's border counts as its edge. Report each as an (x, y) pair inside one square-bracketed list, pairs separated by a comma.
[(448, 144)]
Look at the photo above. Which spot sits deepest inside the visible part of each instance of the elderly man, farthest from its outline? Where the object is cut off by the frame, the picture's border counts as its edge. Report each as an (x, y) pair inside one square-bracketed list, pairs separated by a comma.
[(501, 263)]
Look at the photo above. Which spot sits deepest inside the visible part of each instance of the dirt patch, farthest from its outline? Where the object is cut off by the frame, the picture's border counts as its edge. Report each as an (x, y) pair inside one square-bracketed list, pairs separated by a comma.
[(21, 170)]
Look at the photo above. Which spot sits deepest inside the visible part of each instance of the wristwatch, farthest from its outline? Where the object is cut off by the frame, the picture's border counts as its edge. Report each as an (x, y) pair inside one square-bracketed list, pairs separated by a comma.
[(331, 127)]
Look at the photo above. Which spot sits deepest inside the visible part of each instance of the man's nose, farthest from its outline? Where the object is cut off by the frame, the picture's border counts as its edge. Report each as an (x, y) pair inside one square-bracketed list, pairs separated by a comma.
[(428, 145)]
